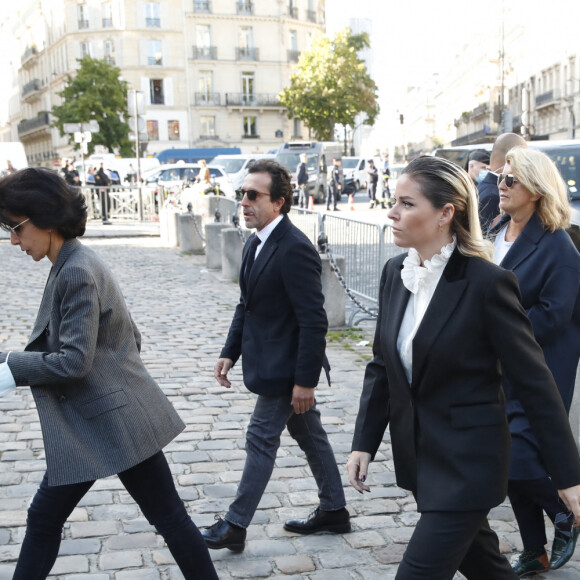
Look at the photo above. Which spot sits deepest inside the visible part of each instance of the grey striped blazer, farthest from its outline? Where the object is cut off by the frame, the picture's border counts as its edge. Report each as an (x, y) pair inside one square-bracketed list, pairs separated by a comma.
[(100, 410)]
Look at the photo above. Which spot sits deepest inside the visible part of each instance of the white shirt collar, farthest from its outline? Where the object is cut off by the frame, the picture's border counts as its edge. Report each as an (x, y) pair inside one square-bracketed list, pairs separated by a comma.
[(265, 232)]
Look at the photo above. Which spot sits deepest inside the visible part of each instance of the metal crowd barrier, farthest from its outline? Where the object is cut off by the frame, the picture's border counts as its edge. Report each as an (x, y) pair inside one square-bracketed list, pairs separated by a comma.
[(307, 221), (120, 202)]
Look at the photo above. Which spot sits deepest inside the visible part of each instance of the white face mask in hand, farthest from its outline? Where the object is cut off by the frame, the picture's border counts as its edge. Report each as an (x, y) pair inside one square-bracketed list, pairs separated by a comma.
[(7, 384)]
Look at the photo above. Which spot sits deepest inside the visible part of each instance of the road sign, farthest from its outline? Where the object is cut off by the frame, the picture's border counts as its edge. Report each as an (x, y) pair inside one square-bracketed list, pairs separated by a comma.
[(92, 127), (137, 121)]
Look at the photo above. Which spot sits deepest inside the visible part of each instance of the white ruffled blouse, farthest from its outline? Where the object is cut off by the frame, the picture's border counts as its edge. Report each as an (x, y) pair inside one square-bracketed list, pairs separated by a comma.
[(421, 281)]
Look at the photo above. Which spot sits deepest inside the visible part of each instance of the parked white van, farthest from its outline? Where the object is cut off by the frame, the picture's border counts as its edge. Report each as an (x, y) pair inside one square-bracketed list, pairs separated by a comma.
[(236, 166)]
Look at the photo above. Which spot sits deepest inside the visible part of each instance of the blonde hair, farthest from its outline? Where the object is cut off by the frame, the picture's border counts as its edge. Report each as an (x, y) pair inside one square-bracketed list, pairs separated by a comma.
[(443, 182), (540, 176)]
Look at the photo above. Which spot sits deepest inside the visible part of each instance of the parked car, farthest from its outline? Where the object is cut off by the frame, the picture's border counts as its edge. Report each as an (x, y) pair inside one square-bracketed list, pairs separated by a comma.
[(236, 166), (355, 168), (178, 175)]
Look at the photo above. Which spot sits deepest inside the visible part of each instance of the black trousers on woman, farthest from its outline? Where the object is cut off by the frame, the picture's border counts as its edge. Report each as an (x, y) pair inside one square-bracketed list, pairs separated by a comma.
[(445, 542), (151, 485), (530, 498)]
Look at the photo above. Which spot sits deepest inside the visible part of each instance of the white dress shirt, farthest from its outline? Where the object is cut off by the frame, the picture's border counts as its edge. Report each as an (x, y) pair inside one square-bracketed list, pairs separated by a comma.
[(265, 232), (421, 281)]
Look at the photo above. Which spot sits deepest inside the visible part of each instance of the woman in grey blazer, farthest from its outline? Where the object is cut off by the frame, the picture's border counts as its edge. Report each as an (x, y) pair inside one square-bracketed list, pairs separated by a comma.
[(100, 411)]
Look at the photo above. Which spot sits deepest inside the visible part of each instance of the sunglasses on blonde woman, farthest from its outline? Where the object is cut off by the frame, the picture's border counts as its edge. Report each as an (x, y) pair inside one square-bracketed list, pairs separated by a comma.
[(508, 178)]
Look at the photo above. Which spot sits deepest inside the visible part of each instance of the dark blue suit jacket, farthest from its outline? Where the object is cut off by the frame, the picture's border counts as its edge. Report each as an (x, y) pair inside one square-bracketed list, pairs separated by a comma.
[(488, 200), (547, 266), (279, 327)]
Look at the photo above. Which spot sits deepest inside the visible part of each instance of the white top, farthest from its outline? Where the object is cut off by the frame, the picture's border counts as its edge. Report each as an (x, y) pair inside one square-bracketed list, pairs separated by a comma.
[(265, 232), (7, 383), (421, 281), (500, 246)]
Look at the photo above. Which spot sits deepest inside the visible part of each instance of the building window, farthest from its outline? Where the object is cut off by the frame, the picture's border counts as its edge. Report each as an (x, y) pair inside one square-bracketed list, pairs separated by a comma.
[(246, 41), (154, 53), (201, 6), (207, 126), (205, 84), (152, 18), (109, 51), (153, 130), (293, 53), (248, 88), (292, 9), (83, 15), (173, 130), (86, 49), (245, 7), (203, 37), (156, 92), (250, 127), (107, 15)]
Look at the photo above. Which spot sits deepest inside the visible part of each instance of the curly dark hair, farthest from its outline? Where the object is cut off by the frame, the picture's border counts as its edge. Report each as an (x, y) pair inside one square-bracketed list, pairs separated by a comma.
[(43, 196), (280, 186)]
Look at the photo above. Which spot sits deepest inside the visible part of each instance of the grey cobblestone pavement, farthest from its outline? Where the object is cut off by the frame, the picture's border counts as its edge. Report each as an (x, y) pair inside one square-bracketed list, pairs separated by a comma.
[(184, 312)]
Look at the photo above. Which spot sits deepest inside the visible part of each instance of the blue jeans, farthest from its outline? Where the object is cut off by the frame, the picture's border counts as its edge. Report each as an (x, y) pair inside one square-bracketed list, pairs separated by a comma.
[(269, 418), (150, 483)]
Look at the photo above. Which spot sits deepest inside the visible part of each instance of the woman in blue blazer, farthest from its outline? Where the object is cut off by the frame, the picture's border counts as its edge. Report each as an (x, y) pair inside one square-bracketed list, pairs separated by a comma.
[(450, 325), (531, 241), (100, 411)]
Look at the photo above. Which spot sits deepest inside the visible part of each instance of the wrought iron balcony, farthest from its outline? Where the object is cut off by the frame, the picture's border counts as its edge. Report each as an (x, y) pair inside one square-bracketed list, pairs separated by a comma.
[(107, 22), (252, 100), (247, 53), (293, 11), (547, 99), (311, 15), (482, 136), (204, 52), (293, 55), (83, 24), (153, 22), (245, 7), (203, 6), (41, 120), (29, 54), (30, 88), (207, 99)]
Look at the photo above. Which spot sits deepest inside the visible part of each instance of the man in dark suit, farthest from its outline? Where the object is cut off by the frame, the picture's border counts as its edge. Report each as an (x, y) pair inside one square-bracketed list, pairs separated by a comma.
[(487, 188), (278, 329)]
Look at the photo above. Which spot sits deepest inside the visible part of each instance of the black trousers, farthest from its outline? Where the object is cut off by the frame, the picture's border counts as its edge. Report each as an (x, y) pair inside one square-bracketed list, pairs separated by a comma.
[(530, 498), (444, 542), (150, 483)]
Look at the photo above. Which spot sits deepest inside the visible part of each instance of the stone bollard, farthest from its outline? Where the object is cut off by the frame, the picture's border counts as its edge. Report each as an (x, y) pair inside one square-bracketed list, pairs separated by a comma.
[(189, 238), (168, 225), (213, 245), (232, 246), (334, 296)]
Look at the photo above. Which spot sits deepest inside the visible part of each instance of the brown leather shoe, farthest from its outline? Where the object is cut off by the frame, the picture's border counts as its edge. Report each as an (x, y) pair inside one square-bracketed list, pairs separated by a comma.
[(530, 562)]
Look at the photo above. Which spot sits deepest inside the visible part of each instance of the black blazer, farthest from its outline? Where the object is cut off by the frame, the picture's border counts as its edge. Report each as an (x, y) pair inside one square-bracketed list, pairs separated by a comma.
[(488, 200), (449, 431), (279, 326)]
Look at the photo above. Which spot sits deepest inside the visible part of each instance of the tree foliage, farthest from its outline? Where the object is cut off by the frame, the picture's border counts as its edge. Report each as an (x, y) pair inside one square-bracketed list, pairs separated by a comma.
[(96, 92), (331, 85)]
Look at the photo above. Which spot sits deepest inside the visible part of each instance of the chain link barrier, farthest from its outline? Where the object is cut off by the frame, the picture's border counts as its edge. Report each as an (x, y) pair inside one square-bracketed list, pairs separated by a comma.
[(324, 248), (194, 220)]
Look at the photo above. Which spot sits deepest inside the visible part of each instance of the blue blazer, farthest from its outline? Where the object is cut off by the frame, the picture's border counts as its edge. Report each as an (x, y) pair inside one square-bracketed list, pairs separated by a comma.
[(279, 326), (547, 266)]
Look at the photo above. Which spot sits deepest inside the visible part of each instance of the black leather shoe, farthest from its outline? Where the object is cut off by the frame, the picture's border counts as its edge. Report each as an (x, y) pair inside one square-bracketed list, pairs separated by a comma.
[(530, 562), (563, 547), (337, 522), (225, 535)]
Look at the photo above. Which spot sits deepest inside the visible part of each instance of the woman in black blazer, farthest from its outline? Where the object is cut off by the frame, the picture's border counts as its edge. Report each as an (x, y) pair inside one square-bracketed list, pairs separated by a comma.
[(100, 411), (531, 241), (450, 324)]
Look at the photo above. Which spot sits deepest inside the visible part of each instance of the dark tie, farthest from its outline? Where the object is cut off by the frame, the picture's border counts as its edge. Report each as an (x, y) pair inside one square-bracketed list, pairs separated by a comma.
[(251, 256)]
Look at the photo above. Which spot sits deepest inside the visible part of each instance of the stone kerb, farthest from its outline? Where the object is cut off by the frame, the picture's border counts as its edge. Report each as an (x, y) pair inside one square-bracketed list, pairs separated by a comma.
[(334, 296), (213, 245), (232, 247), (189, 235), (169, 225)]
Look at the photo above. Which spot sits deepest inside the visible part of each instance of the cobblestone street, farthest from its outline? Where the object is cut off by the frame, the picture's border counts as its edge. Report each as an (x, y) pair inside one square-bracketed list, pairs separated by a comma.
[(184, 312)]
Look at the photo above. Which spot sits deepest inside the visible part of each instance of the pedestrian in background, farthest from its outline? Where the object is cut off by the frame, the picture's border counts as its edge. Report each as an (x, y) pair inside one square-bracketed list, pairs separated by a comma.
[(450, 327), (478, 165), (103, 182), (100, 411), (279, 330), (531, 241), (487, 187), (372, 182), (203, 175), (302, 180), (335, 184)]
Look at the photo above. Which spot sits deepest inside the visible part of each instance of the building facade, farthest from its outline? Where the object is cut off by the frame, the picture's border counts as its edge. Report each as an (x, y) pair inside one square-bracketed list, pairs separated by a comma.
[(210, 70)]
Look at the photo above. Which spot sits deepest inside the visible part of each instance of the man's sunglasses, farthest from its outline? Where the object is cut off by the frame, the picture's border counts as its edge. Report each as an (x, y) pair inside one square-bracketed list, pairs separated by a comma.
[(251, 193), (508, 178)]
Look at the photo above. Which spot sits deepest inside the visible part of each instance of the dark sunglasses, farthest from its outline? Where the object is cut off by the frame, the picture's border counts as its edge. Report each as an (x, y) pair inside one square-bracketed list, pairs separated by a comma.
[(508, 178), (251, 193)]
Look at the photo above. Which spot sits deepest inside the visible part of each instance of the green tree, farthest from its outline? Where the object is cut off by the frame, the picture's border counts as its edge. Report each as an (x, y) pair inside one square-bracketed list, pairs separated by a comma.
[(331, 85), (96, 92)]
